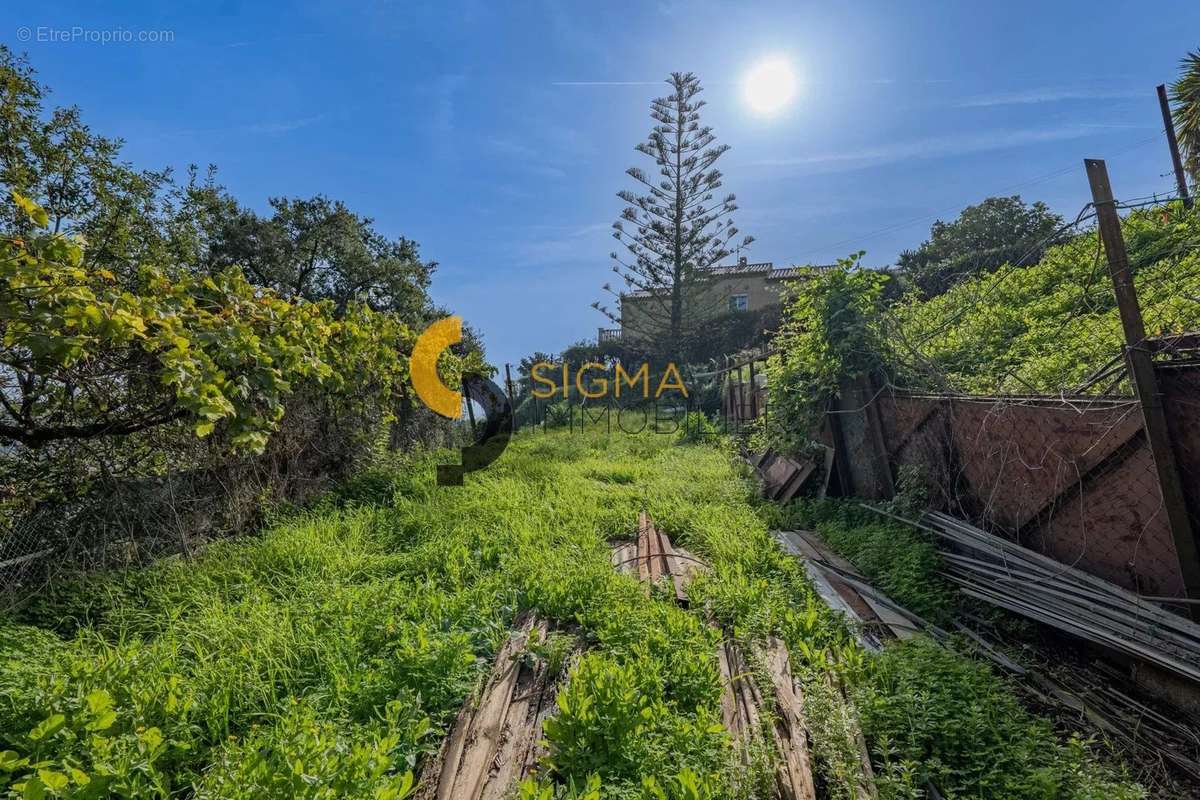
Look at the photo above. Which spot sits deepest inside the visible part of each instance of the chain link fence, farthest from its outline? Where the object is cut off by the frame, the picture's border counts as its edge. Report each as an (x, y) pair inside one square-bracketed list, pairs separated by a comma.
[(1011, 397)]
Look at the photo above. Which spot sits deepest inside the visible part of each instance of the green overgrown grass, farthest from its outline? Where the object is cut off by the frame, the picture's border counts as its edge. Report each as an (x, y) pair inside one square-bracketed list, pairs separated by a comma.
[(931, 713), (327, 657)]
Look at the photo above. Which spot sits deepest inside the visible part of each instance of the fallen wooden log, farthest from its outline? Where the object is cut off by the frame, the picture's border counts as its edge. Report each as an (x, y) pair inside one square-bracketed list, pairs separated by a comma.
[(494, 743)]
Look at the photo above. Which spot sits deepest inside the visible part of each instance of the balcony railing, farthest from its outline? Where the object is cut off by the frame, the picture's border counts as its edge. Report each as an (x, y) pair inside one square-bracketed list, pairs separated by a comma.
[(609, 335)]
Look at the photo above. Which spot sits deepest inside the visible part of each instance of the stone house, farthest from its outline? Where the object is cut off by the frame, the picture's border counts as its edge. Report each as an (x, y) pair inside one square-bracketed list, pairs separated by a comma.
[(733, 288)]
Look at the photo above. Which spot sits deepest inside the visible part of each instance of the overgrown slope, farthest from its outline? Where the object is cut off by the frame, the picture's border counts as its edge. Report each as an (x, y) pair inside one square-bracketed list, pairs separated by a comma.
[(1046, 327), (327, 657)]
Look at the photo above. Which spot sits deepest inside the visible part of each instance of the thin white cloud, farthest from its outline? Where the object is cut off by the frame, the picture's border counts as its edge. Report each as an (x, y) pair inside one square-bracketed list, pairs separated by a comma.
[(933, 147), (263, 128), (566, 245), (550, 152), (605, 83), (283, 126), (1046, 95)]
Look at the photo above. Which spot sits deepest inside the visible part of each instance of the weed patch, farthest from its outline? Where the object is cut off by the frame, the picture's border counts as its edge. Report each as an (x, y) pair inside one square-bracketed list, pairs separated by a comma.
[(329, 656)]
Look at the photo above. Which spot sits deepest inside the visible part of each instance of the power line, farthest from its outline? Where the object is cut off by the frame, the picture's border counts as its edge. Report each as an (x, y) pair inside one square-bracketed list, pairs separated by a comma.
[(958, 207)]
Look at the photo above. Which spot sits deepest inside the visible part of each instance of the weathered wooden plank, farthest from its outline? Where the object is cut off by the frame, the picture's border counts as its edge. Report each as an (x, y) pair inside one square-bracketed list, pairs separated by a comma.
[(652, 556), (743, 707), (675, 567), (508, 761), (791, 731), (456, 771), (653, 553), (474, 766), (729, 713), (643, 546), (882, 608), (495, 739), (624, 557)]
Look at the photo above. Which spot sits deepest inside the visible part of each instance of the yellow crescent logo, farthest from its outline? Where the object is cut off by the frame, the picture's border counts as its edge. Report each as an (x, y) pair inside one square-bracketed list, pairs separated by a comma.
[(423, 367)]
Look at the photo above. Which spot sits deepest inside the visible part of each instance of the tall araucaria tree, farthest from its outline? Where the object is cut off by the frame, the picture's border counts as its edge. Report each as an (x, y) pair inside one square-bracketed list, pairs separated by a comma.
[(673, 228)]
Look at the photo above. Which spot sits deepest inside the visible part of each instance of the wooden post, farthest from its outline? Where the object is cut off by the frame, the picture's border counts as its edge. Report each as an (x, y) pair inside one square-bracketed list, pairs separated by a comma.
[(512, 398), (1141, 372), (741, 397), (1173, 143), (753, 393), (470, 407), (727, 392), (871, 392), (766, 354)]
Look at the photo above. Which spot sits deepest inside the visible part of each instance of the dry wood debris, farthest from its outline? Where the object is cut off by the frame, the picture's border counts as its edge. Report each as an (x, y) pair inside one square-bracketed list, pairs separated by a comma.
[(1028, 583), (494, 743), (653, 557), (1164, 750), (744, 711)]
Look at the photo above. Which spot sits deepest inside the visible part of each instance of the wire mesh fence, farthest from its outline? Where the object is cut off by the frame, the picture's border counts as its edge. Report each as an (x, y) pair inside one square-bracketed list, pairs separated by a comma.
[(1011, 397)]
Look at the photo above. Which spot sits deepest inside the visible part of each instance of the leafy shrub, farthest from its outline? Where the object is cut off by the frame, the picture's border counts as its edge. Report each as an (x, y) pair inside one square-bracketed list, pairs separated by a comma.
[(830, 333), (557, 415), (697, 427), (305, 756), (218, 387), (613, 722), (957, 725), (687, 785), (215, 349)]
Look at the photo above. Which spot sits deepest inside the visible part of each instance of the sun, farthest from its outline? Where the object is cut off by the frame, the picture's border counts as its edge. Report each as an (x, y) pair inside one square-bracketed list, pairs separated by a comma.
[(769, 86)]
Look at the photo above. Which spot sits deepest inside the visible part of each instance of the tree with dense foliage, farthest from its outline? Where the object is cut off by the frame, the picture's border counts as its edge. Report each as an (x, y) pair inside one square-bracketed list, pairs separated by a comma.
[(84, 358), (317, 249), (830, 333), (136, 352), (1000, 230), (677, 229), (1186, 94)]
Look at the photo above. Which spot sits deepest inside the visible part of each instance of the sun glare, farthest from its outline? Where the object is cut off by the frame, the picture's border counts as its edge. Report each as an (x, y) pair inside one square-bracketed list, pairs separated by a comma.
[(769, 86)]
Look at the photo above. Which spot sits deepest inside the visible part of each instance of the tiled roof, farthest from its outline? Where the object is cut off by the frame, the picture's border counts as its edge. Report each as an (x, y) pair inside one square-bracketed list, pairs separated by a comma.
[(784, 273), (741, 269)]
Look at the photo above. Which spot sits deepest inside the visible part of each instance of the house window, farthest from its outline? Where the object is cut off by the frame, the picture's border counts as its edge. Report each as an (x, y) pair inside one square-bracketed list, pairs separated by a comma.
[(739, 302)]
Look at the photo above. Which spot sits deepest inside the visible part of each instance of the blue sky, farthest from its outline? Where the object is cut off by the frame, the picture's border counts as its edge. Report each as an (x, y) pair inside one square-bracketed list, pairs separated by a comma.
[(497, 134)]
